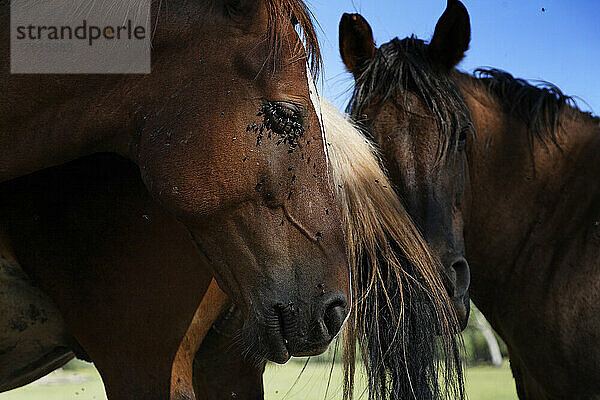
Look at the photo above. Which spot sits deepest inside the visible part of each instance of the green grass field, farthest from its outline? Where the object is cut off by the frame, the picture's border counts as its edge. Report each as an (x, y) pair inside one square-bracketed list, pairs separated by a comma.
[(82, 382)]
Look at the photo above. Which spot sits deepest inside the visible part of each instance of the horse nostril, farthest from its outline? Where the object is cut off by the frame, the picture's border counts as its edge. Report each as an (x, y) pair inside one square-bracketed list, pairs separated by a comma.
[(462, 276), (335, 315)]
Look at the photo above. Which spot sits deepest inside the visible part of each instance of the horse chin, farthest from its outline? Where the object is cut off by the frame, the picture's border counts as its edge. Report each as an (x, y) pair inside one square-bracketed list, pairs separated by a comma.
[(310, 351), (462, 306), (264, 343), (269, 343), (278, 353), (281, 352)]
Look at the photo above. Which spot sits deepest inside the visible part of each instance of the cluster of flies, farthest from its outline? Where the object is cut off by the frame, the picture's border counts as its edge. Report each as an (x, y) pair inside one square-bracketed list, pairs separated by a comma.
[(280, 120)]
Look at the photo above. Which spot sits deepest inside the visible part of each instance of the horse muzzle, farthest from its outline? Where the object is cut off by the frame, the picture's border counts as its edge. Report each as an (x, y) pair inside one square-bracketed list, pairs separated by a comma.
[(292, 331)]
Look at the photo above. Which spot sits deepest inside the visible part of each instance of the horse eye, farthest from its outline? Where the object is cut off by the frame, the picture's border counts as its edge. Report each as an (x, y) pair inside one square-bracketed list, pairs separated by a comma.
[(239, 9), (294, 20), (462, 139), (285, 120)]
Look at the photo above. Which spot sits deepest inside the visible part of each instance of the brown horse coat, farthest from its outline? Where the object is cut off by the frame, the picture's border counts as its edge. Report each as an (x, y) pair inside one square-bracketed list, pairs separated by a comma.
[(371, 210), (511, 172), (83, 232), (264, 217), (536, 253)]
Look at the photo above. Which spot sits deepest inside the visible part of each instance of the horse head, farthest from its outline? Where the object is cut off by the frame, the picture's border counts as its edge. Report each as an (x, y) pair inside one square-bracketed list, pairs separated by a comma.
[(406, 97), (229, 141)]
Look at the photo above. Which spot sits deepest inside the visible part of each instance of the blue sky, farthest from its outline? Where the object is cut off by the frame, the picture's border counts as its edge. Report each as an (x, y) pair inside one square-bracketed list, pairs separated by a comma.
[(560, 45)]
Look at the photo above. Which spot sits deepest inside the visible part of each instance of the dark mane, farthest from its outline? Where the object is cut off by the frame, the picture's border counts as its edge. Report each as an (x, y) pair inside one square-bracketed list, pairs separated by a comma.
[(411, 365), (288, 12), (401, 353), (403, 319), (405, 64), (540, 107)]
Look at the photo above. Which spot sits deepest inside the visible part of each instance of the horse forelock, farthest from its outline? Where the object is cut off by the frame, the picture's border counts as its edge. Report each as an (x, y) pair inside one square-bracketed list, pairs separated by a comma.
[(406, 65), (279, 14), (294, 11), (401, 304)]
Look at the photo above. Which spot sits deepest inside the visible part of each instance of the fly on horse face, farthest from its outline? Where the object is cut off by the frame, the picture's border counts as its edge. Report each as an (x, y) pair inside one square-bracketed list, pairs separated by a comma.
[(511, 167), (262, 214)]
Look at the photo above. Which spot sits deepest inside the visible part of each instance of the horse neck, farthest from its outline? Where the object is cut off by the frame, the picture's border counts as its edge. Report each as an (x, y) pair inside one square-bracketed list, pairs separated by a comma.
[(524, 205), (55, 119)]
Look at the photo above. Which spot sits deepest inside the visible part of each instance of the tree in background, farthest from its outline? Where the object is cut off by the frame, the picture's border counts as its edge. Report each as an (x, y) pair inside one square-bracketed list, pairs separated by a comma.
[(482, 344)]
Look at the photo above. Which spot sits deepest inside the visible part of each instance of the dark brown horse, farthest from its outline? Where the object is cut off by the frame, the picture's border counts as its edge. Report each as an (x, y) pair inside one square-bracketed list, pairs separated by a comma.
[(511, 167), (83, 231), (422, 188), (265, 221)]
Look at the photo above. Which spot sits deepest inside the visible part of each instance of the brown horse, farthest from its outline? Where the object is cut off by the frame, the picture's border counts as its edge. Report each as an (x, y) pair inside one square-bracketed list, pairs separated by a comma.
[(264, 218), (402, 305), (457, 144), (422, 188), (67, 200), (107, 185)]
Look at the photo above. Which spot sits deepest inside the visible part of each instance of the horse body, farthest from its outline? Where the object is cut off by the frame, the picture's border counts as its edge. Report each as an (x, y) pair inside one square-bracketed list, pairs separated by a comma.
[(82, 233), (510, 171), (535, 253)]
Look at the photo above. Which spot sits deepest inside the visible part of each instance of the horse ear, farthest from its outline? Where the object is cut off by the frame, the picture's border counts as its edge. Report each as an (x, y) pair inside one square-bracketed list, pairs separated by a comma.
[(356, 42), (452, 36)]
